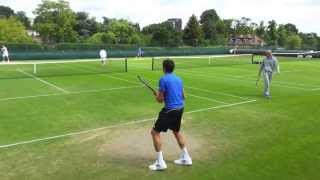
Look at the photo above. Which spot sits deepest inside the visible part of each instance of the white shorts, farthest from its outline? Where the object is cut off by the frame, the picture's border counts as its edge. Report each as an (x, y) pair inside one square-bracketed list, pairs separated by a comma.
[(5, 55)]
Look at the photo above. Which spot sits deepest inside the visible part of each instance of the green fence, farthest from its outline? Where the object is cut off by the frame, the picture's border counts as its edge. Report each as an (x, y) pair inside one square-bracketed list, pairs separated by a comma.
[(86, 51)]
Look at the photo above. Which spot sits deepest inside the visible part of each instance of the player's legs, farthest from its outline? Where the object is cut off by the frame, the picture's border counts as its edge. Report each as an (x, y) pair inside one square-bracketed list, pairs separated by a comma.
[(8, 59), (179, 138), (159, 164), (103, 60), (156, 138), (185, 158), (266, 84), (270, 77), (160, 126)]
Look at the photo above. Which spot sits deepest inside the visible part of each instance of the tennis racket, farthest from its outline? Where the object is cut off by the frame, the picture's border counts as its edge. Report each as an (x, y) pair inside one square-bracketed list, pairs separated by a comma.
[(144, 82)]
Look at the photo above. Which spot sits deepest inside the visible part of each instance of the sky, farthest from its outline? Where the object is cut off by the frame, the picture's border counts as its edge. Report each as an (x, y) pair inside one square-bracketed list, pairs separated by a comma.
[(303, 13)]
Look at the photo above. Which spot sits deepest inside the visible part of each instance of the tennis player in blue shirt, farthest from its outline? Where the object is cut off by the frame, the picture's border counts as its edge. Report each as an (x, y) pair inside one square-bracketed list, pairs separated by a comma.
[(170, 93)]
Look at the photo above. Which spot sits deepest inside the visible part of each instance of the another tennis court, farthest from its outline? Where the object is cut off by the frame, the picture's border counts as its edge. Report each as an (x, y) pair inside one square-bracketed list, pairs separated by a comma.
[(70, 108)]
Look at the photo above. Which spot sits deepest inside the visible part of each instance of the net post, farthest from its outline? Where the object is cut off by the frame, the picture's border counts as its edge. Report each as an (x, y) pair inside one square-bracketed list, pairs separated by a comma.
[(34, 68), (252, 59), (126, 64), (152, 65)]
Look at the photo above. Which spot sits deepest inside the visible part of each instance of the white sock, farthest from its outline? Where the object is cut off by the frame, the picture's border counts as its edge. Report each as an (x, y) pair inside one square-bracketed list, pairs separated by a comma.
[(185, 152), (160, 156)]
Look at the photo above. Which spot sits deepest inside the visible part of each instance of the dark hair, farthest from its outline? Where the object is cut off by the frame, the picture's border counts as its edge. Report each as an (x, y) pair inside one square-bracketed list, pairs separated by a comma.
[(168, 65)]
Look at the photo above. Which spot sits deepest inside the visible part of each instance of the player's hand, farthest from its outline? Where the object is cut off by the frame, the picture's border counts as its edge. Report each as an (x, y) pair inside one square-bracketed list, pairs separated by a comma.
[(155, 94)]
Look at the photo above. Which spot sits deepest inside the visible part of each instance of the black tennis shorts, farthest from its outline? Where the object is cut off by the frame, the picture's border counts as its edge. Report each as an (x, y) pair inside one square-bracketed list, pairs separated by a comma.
[(168, 119)]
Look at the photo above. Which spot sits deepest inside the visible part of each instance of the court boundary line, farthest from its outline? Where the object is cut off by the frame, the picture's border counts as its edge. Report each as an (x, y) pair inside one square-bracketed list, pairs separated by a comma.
[(199, 89), (238, 79), (70, 93), (280, 83), (192, 95), (133, 82), (206, 98), (116, 125), (215, 92), (43, 81)]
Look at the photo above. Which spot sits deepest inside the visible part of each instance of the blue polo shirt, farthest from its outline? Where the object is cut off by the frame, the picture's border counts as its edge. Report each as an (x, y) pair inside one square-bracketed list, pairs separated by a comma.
[(172, 87)]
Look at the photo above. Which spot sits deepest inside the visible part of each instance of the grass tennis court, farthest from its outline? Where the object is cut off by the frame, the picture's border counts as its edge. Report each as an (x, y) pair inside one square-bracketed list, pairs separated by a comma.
[(90, 122)]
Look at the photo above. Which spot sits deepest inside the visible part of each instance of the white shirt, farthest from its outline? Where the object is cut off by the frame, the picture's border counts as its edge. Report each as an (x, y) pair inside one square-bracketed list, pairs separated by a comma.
[(103, 53), (270, 64), (4, 51)]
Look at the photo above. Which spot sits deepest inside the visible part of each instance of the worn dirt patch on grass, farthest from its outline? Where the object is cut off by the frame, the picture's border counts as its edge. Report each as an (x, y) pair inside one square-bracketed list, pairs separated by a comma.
[(135, 142)]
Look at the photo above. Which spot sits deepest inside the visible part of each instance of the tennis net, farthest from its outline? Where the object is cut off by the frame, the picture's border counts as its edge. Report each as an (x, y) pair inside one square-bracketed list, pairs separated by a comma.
[(60, 68), (202, 61), (288, 57)]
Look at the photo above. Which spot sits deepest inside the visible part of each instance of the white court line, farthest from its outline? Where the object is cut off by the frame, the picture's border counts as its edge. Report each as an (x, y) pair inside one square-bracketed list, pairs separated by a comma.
[(70, 93), (121, 79), (280, 83), (30, 97), (203, 90), (291, 71), (205, 98), (214, 92), (236, 79), (192, 95), (115, 126), (202, 56), (43, 81)]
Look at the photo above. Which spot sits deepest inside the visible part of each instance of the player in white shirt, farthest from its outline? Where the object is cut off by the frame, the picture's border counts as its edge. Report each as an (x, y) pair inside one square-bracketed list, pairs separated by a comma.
[(103, 56), (5, 54)]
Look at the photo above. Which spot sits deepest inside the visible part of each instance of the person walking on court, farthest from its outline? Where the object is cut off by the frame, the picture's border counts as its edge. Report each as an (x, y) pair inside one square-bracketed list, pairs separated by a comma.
[(170, 93), (103, 56), (5, 54), (268, 66)]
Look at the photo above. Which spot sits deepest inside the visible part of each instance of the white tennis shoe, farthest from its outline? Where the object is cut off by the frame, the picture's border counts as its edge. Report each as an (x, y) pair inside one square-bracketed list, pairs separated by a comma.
[(158, 166), (184, 161)]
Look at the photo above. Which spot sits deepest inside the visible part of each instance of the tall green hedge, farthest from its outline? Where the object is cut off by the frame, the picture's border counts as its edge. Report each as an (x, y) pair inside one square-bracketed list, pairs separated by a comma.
[(82, 51)]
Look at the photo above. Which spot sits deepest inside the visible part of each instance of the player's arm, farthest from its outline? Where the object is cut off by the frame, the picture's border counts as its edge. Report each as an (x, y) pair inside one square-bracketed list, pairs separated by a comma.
[(159, 97), (161, 92)]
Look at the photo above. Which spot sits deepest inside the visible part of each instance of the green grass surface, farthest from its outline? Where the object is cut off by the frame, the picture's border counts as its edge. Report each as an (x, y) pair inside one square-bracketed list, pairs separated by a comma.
[(233, 132)]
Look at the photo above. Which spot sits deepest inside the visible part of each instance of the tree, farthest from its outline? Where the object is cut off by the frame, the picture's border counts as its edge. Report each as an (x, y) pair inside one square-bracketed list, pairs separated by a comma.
[(85, 26), (163, 34), (6, 12), (22, 17), (103, 38), (309, 40), (122, 30), (291, 28), (261, 30), (55, 21), (12, 31), (118, 32), (282, 35), (244, 26), (271, 33), (209, 20), (192, 34), (293, 42)]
